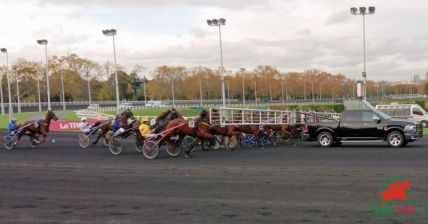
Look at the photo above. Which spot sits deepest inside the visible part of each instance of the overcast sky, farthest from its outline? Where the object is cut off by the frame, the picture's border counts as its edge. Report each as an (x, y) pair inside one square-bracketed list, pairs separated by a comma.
[(292, 35)]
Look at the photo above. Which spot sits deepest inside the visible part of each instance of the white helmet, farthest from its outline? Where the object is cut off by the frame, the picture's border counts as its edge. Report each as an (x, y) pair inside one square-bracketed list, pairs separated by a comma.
[(83, 119)]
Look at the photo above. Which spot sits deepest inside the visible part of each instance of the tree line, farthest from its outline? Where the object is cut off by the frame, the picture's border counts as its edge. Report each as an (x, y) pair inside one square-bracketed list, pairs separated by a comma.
[(266, 82)]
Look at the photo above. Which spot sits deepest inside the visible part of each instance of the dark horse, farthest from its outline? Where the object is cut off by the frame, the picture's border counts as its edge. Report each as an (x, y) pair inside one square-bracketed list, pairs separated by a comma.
[(159, 125), (32, 128), (107, 126), (181, 128), (229, 131)]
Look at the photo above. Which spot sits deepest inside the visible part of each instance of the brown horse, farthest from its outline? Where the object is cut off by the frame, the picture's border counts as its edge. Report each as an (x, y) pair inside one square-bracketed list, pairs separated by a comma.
[(229, 131), (32, 128), (181, 128), (160, 123), (108, 126)]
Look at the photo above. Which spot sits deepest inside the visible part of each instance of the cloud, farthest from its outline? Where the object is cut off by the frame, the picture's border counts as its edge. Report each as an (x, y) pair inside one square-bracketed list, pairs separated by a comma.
[(235, 4), (338, 17), (291, 35)]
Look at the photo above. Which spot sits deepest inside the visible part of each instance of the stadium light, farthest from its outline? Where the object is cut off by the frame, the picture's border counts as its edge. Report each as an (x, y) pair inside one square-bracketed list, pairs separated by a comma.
[(220, 22), (45, 43), (112, 33), (363, 11), (4, 50)]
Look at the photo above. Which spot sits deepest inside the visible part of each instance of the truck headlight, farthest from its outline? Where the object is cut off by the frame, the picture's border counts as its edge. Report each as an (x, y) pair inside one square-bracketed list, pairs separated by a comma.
[(410, 128)]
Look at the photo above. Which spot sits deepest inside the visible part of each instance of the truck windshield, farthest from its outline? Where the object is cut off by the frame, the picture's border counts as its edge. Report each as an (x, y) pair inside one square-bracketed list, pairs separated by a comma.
[(382, 115), (419, 108)]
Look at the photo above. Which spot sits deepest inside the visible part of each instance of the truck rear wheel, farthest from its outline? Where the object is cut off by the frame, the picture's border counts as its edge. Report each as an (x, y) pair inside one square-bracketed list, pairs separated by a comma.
[(395, 139), (325, 139)]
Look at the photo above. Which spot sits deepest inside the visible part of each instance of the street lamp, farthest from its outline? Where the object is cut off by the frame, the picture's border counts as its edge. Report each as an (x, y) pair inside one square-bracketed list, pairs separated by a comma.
[(113, 32), (220, 22), (144, 88), (45, 43), (89, 84), (17, 92), (172, 91), (62, 88), (243, 85), (363, 11), (200, 92), (4, 50), (255, 91), (38, 93)]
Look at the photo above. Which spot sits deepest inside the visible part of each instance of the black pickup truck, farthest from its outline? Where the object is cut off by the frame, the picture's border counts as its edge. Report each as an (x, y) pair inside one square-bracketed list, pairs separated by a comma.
[(363, 125)]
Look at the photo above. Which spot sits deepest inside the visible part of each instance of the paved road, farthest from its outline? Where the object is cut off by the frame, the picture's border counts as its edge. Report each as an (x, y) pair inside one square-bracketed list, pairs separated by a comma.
[(61, 183)]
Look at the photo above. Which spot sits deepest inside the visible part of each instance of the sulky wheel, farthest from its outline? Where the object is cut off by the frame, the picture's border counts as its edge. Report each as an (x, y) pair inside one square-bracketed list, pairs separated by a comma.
[(173, 148), (208, 144), (10, 142), (263, 140), (107, 138), (115, 146), (188, 144), (275, 138), (83, 141), (34, 144), (248, 140), (151, 149), (139, 144)]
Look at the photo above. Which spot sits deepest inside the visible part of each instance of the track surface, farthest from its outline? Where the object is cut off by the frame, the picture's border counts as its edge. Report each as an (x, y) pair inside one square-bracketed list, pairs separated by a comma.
[(61, 183)]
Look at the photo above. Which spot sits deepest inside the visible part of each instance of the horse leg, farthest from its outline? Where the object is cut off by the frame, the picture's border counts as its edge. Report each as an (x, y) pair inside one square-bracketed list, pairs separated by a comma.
[(44, 138)]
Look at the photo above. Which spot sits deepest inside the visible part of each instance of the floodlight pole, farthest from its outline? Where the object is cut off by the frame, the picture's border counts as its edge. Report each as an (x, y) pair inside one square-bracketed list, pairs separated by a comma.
[(113, 32), (89, 85), (62, 88), (1, 95), (172, 90), (38, 93), (286, 91), (17, 92), (255, 91), (312, 90), (362, 11), (200, 92), (45, 43), (144, 88), (282, 92), (4, 50), (364, 56), (220, 22)]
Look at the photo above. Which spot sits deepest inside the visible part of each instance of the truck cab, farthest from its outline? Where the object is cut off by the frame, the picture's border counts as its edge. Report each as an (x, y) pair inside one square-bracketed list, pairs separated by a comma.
[(411, 112), (364, 125)]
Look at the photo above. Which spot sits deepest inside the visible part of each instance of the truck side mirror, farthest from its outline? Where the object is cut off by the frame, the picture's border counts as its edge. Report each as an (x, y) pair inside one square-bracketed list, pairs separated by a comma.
[(376, 119)]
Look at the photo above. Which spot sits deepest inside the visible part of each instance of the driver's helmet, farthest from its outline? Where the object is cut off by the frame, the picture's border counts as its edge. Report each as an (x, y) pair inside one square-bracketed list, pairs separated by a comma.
[(83, 119), (13, 119), (144, 119)]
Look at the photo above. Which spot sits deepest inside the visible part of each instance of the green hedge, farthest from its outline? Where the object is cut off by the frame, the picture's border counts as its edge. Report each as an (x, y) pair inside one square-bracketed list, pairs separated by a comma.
[(324, 107)]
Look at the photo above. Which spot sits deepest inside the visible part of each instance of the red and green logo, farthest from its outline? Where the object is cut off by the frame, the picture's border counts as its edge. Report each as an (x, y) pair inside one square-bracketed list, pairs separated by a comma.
[(396, 201)]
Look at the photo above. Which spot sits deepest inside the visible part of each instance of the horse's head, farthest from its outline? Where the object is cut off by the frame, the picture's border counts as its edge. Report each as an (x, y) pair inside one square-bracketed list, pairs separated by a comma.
[(204, 116), (127, 114), (163, 119), (50, 115)]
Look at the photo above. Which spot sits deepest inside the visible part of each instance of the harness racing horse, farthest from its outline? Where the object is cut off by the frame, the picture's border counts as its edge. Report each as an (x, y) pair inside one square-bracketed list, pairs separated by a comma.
[(106, 127), (181, 127), (163, 119), (41, 127), (229, 131), (160, 123)]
